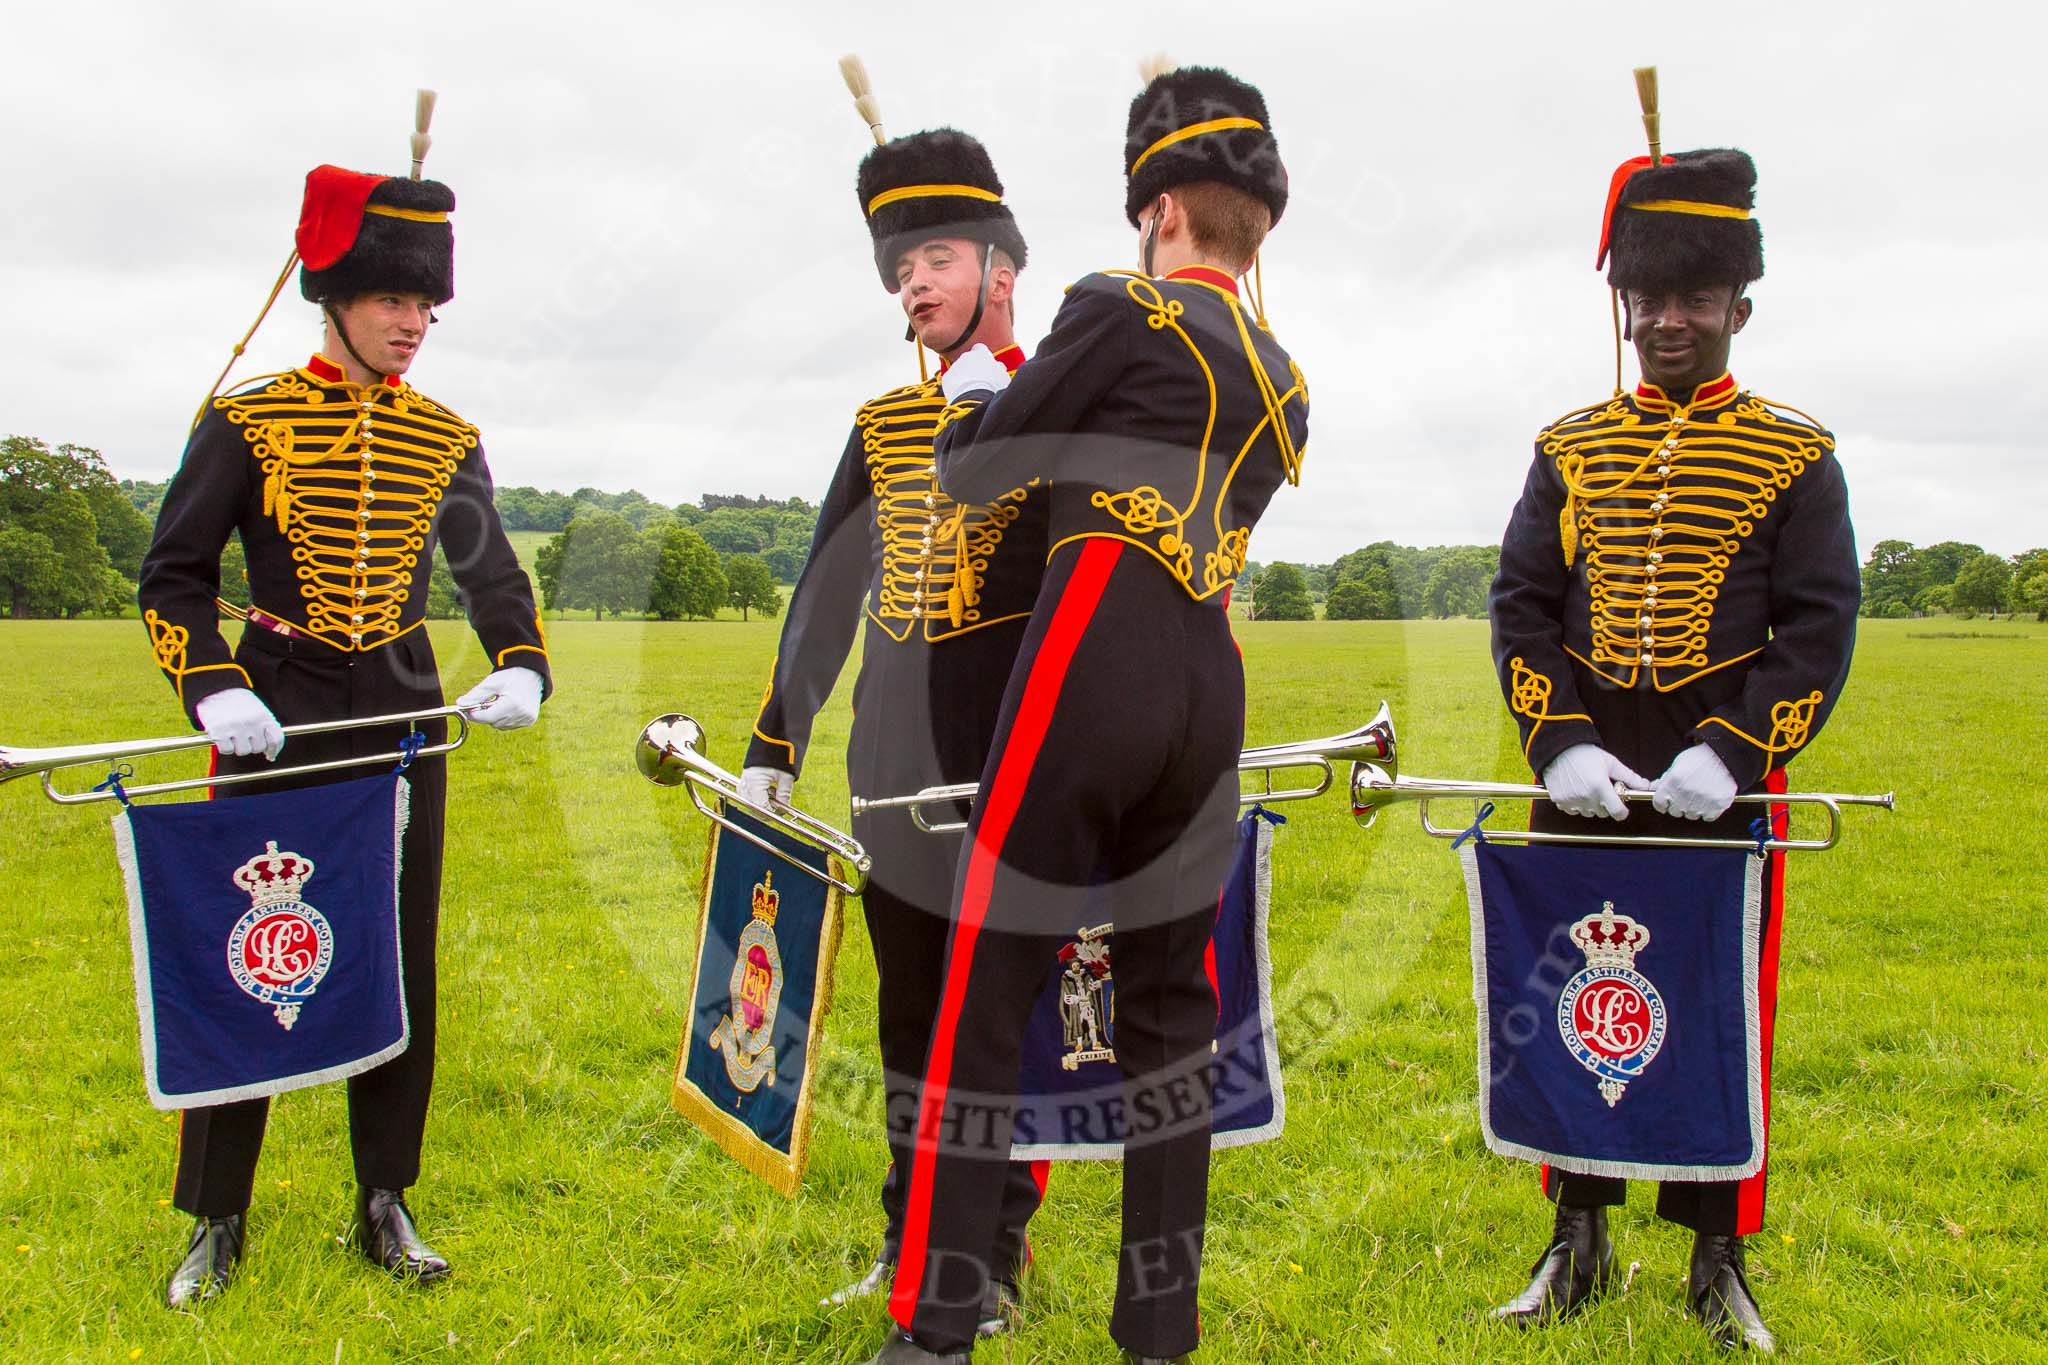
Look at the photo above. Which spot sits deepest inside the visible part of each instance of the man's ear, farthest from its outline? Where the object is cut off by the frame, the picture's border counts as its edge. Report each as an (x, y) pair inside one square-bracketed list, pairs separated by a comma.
[(1742, 311), (1002, 283), (1173, 219)]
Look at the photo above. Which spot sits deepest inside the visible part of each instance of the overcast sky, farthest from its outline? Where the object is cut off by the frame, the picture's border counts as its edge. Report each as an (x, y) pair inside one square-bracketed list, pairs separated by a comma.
[(664, 281)]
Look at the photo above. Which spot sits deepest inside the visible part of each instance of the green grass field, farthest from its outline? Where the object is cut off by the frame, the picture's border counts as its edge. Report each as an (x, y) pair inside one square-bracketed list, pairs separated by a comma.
[(588, 1223)]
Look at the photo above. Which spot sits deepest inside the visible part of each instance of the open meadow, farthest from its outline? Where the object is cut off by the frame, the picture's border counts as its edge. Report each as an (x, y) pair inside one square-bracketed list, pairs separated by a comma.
[(587, 1222)]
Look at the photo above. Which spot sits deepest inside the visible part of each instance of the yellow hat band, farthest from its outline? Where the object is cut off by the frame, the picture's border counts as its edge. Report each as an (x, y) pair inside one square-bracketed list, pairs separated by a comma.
[(410, 215), (887, 197), (1214, 125), (1693, 206)]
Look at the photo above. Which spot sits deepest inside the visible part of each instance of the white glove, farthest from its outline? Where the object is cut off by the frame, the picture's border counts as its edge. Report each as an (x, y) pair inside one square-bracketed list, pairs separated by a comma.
[(764, 785), (508, 699), (1697, 786), (1583, 780), (240, 724), (978, 369)]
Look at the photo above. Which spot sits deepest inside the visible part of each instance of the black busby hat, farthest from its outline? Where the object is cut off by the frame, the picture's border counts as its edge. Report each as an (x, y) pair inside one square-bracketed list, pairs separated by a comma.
[(1683, 222), (939, 183), (362, 232), (1201, 123)]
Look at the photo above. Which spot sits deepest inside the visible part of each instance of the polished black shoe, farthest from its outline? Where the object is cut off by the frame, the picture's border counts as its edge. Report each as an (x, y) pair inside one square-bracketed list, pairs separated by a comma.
[(1717, 1291), (881, 1275), (1133, 1358), (385, 1233), (1576, 1267), (899, 1349), (210, 1260), (1002, 1304)]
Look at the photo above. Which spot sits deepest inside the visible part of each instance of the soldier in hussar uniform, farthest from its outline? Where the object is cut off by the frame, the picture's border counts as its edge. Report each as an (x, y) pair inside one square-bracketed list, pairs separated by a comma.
[(340, 478), (944, 589), (1162, 416), (1677, 596)]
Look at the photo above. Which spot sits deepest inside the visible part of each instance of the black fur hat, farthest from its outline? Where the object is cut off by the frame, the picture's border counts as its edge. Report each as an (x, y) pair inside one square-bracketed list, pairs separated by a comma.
[(1243, 155), (395, 237), (1686, 223), (939, 183)]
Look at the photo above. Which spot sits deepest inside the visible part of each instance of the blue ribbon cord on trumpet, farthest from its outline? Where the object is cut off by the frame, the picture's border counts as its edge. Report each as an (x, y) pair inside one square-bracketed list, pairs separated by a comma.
[(1760, 830), (409, 749), (1476, 832), (116, 774)]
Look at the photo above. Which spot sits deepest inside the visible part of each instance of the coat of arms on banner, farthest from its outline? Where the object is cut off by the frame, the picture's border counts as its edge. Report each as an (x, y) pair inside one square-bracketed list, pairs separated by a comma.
[(747, 1035), (1566, 984), (1070, 1091), (242, 988), (1611, 1017), (760, 990), (1085, 999), (279, 951)]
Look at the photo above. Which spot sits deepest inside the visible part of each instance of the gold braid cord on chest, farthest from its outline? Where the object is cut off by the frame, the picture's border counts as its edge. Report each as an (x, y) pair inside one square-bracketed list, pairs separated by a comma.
[(353, 478), (935, 552), (1659, 507)]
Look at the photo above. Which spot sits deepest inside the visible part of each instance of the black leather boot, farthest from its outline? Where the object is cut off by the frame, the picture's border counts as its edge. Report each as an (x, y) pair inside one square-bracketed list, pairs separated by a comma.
[(881, 1275), (1717, 1291), (1576, 1267), (385, 1233), (212, 1254), (1002, 1303), (900, 1349)]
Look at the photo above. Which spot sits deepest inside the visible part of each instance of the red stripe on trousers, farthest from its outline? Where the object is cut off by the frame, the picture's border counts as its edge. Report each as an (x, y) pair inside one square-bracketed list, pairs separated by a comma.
[(1070, 619), (1749, 1195)]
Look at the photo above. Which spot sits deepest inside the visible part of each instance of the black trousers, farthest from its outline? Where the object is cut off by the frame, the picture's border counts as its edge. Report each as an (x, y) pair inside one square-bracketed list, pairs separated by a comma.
[(1646, 731), (1110, 793), (924, 715), (304, 681)]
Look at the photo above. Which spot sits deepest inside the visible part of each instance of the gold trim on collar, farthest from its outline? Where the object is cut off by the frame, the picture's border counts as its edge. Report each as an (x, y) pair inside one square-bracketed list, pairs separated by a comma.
[(1214, 125)]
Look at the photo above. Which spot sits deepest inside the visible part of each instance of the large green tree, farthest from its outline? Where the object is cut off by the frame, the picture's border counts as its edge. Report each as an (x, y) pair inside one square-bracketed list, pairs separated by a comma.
[(1892, 578), (687, 578), (598, 562), (1283, 595), (1458, 581), (69, 498), (1981, 584), (749, 585)]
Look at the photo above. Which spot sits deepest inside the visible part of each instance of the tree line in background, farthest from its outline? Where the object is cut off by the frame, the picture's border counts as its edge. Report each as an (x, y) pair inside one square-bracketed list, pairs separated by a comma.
[(665, 569), (1900, 579), (1380, 582), (72, 539)]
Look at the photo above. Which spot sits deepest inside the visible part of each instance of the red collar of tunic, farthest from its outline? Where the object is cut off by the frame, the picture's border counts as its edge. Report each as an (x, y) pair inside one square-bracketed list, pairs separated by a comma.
[(1011, 356), (1711, 394), (1205, 274), (327, 372)]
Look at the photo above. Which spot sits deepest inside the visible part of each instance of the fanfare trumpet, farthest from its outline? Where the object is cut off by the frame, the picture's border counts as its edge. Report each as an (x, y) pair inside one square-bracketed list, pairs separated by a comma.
[(18, 762), (1376, 784), (670, 753), (1372, 742)]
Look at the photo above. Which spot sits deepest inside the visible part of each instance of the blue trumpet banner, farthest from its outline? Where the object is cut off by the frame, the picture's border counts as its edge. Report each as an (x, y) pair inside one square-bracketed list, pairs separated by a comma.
[(1070, 1089), (265, 938), (766, 940), (1617, 991)]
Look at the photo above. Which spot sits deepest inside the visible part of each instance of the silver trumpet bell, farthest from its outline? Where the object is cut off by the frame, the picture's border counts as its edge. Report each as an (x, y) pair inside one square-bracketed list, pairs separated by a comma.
[(670, 753)]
